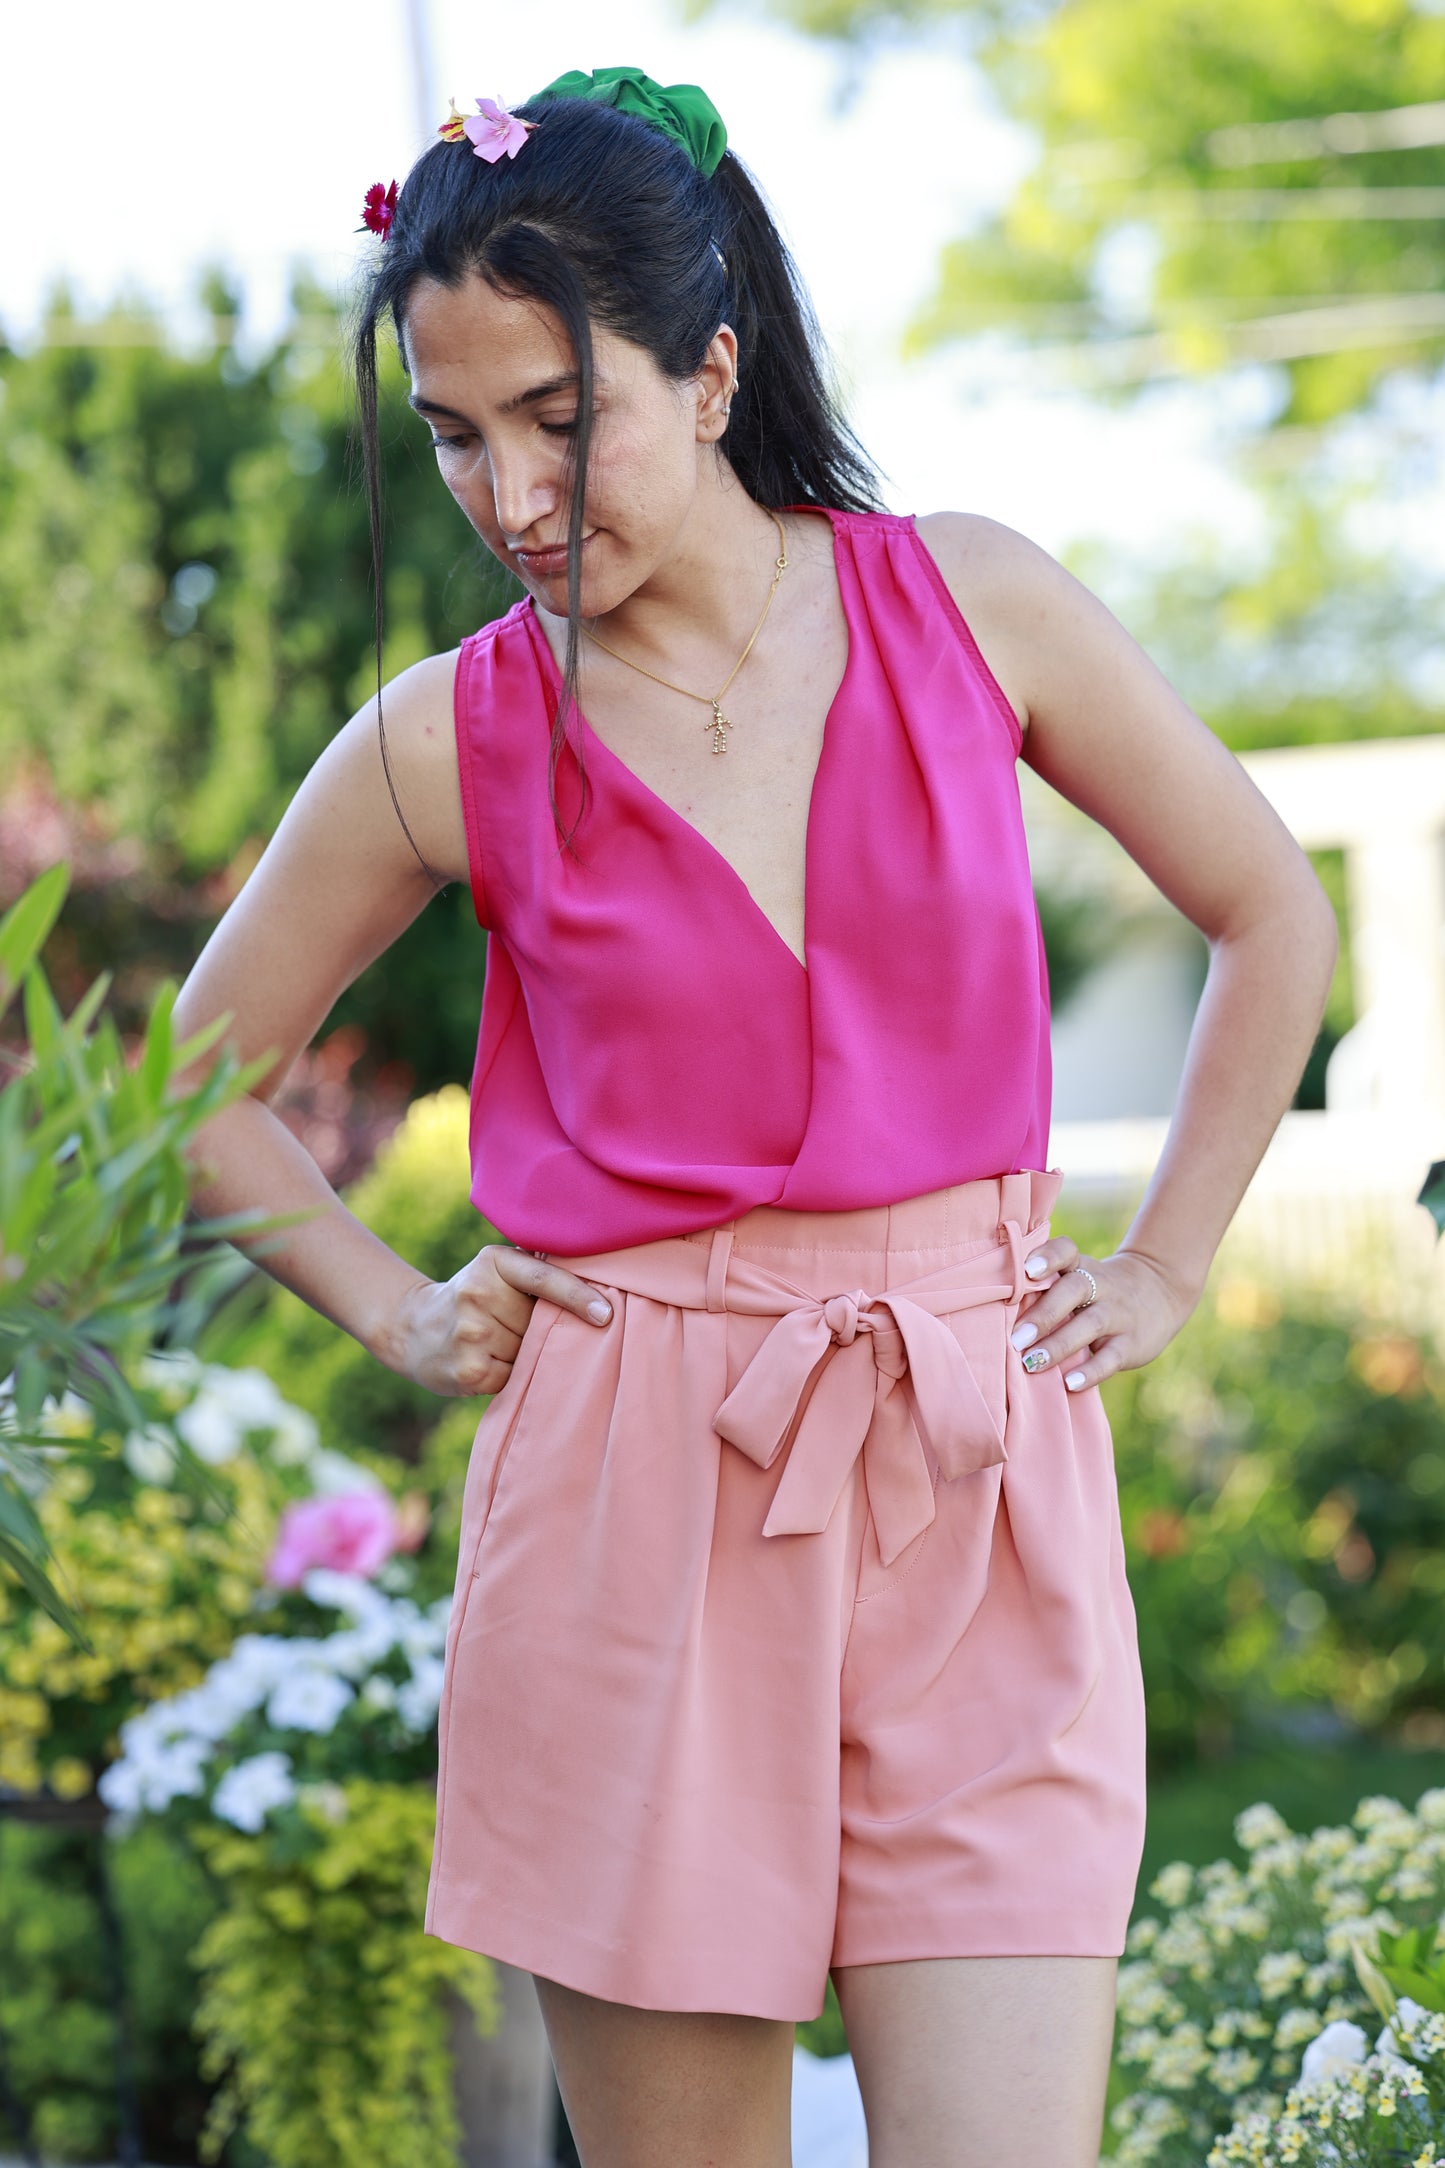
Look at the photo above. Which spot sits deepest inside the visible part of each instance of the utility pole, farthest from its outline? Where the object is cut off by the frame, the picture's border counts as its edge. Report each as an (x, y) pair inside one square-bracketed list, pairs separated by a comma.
[(423, 75)]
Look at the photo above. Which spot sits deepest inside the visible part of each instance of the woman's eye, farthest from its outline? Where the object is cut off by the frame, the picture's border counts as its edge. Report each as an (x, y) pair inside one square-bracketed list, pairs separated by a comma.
[(559, 429), (454, 442)]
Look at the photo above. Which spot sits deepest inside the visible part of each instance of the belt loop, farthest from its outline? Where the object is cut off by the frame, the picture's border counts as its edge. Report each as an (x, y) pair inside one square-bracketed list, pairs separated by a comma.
[(1021, 1280), (719, 1252), (1015, 1198)]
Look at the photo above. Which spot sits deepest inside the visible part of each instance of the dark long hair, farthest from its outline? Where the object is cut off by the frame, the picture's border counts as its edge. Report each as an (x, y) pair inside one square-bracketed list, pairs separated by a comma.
[(606, 220)]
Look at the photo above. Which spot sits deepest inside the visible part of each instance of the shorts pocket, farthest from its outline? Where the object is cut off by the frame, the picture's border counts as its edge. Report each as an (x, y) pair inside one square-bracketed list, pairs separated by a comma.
[(492, 1447)]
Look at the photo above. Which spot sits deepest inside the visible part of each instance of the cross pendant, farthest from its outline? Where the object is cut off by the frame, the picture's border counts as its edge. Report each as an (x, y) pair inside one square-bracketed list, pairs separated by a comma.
[(717, 726)]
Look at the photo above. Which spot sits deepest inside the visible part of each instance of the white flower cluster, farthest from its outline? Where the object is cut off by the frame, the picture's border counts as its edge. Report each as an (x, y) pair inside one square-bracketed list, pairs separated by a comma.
[(215, 1410), (282, 1683), (1248, 1965), (1399, 2088)]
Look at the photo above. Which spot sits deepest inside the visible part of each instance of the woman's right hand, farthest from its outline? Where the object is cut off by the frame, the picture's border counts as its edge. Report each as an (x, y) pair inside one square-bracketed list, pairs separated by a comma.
[(460, 1336)]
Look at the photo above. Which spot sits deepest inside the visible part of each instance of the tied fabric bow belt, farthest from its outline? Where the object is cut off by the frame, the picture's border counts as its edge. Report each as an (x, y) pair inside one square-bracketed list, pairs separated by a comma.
[(862, 1346)]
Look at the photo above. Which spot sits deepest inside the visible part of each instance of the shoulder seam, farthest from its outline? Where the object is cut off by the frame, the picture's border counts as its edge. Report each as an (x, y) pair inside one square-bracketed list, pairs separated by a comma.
[(461, 723)]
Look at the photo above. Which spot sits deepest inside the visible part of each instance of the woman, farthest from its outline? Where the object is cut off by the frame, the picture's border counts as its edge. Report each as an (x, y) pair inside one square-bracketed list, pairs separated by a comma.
[(792, 1631)]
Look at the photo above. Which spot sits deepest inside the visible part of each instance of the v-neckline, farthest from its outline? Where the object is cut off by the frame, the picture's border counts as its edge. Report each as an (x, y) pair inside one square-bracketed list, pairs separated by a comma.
[(680, 819)]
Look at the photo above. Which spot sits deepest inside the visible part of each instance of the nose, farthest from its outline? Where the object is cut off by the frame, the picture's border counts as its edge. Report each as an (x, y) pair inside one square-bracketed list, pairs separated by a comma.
[(524, 493)]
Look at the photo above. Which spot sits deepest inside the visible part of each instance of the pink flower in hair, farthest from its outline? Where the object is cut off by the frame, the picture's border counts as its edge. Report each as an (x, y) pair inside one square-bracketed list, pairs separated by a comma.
[(349, 1531), (379, 209), (495, 133)]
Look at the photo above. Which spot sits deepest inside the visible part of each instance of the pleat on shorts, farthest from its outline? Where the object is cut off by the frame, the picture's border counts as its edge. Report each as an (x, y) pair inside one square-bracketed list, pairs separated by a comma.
[(791, 1625)]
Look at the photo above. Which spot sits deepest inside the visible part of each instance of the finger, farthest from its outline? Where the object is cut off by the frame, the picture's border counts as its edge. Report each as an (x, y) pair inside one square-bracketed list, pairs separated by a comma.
[(1080, 1372), (1063, 1320), (1055, 1255), (494, 1296), (538, 1276), (1064, 1350), (1068, 1293)]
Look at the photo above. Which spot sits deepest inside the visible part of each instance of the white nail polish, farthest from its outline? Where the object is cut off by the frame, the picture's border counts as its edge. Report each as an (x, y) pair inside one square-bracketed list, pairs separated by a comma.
[(1074, 1380), (1022, 1334), (1036, 1266)]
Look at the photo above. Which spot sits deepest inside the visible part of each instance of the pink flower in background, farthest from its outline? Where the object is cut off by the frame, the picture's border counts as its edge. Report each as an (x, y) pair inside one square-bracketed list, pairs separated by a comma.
[(495, 133), (351, 1532)]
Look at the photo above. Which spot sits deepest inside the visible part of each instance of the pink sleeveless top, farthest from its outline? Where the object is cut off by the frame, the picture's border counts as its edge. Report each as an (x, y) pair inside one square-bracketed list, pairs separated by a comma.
[(653, 1058)]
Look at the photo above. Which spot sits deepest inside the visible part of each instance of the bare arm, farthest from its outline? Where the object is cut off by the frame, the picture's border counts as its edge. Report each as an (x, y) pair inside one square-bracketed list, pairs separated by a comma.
[(1105, 728), (336, 885)]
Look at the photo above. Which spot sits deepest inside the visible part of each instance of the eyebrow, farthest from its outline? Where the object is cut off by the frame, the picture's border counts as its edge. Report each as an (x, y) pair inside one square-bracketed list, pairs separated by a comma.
[(568, 382)]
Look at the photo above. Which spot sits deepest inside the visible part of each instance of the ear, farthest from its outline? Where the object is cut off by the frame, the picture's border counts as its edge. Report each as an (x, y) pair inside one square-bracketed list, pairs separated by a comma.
[(715, 382)]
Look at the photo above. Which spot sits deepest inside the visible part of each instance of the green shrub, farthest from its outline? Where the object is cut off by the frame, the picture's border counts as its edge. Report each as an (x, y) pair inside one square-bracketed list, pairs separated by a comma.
[(1282, 1488), (57, 2016), (319, 2003)]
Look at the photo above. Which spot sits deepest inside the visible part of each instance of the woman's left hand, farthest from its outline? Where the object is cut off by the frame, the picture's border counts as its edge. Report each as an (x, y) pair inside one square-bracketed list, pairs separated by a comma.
[(1135, 1314)]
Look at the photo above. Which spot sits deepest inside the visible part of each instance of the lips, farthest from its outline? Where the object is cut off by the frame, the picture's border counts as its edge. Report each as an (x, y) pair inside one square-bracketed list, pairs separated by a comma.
[(544, 563)]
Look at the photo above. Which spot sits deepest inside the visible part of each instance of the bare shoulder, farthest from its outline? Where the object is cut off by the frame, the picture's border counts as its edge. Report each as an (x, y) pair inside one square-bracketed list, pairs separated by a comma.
[(1005, 587), (1106, 729), (408, 731), (976, 550)]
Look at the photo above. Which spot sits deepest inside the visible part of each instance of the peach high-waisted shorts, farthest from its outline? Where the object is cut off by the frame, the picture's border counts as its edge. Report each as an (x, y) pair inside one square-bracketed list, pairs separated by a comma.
[(791, 1626)]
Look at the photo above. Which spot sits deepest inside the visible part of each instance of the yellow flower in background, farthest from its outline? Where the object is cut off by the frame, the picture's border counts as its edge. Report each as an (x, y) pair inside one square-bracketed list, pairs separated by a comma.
[(1247, 1304), (70, 1778), (1173, 1884), (161, 1589)]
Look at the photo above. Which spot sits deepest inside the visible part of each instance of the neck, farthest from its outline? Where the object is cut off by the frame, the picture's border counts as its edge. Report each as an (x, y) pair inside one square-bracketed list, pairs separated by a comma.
[(701, 603)]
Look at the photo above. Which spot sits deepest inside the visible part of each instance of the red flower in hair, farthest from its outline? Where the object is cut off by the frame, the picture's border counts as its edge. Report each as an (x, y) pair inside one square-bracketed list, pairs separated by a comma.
[(379, 210)]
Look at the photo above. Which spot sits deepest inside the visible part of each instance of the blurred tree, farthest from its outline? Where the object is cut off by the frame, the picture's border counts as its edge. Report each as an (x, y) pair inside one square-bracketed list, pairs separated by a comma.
[(186, 618), (1320, 631), (185, 579), (1171, 224)]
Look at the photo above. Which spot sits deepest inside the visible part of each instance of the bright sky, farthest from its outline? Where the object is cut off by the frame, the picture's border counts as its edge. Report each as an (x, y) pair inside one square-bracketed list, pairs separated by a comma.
[(143, 141)]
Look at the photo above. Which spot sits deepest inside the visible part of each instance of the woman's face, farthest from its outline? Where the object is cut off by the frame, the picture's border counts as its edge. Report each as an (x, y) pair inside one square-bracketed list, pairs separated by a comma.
[(495, 379)]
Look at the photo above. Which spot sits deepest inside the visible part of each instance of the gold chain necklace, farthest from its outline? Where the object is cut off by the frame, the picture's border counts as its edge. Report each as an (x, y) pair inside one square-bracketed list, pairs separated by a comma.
[(720, 722)]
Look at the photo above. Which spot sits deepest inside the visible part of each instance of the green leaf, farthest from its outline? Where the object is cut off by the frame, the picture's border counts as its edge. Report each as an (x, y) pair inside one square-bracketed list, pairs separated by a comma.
[(18, 1519), (156, 1061), (43, 1023), (39, 1585), (1432, 1195), (189, 1050), (26, 925), (83, 1014), (1373, 1981), (1422, 1987), (32, 1385)]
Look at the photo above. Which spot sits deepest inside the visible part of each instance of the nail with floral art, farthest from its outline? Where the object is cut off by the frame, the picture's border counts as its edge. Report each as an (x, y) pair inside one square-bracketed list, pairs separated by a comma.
[(1036, 1358), (379, 209)]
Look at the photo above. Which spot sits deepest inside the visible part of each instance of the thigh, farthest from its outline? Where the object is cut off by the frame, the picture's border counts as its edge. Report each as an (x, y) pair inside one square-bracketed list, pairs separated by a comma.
[(981, 2062), (669, 2088)]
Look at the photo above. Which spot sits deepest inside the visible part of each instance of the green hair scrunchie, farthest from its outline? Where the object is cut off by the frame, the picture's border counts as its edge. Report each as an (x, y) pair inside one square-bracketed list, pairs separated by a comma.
[(680, 110)]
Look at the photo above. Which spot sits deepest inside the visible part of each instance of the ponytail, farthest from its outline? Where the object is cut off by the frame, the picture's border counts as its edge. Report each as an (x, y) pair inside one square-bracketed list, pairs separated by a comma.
[(786, 439)]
